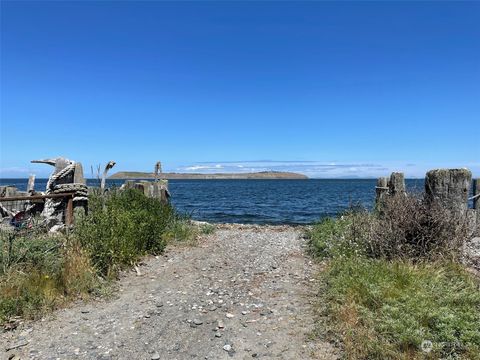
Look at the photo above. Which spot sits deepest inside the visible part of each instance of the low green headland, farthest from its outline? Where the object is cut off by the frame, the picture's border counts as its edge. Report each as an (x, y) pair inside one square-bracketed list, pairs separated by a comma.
[(392, 286), (41, 271), (169, 176)]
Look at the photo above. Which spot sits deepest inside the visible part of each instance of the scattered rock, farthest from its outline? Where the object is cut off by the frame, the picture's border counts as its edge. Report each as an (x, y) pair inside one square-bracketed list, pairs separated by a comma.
[(238, 284), (17, 345)]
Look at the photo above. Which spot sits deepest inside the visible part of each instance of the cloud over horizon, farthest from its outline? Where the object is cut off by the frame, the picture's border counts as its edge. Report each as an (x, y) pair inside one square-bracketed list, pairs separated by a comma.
[(319, 169), (309, 168)]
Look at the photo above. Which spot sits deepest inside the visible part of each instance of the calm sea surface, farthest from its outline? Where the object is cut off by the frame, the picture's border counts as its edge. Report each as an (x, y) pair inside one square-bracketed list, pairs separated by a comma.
[(259, 201)]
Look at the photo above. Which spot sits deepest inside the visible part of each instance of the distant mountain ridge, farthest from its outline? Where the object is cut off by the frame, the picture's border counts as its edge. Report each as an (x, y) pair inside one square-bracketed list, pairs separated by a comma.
[(169, 176)]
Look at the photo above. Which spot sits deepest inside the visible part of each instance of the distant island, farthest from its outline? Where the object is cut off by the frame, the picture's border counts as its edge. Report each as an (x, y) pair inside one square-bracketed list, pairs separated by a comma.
[(169, 176)]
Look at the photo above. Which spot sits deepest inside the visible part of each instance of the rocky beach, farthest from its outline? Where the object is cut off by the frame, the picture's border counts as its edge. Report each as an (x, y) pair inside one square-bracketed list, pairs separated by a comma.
[(244, 292)]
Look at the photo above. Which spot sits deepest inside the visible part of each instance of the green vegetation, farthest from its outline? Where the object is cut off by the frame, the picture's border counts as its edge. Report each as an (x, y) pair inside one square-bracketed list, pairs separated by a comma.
[(122, 227), (207, 229), (383, 303), (40, 272)]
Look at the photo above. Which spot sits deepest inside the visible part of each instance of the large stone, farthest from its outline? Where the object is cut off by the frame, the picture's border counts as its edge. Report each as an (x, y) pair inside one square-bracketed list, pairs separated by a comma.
[(450, 187)]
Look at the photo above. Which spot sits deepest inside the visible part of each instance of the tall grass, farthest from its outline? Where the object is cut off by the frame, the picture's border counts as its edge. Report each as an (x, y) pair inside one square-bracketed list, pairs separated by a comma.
[(44, 273)]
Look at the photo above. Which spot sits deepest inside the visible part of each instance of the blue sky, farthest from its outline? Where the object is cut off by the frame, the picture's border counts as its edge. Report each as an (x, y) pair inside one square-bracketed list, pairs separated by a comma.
[(330, 89)]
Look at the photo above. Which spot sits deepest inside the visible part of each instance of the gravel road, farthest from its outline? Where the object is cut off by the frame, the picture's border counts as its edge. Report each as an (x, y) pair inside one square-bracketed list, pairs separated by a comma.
[(244, 292)]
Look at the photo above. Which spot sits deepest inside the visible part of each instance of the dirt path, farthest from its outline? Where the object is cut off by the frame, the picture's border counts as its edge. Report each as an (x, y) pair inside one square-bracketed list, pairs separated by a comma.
[(244, 292)]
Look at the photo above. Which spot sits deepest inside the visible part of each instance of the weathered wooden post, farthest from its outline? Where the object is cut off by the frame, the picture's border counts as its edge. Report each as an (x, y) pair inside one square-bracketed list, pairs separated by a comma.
[(476, 194), (69, 211), (450, 187), (31, 184), (109, 165), (158, 170), (381, 190), (396, 184), (476, 205)]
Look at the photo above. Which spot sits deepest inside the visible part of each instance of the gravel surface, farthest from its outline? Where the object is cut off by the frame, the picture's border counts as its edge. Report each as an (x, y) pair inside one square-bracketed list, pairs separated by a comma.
[(244, 292)]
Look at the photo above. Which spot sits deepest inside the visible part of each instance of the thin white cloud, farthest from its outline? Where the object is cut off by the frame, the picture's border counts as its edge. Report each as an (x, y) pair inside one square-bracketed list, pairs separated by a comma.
[(325, 169), (201, 167), (309, 168)]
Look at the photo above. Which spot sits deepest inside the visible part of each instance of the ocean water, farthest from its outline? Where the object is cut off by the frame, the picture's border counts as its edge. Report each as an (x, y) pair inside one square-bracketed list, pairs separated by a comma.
[(259, 201)]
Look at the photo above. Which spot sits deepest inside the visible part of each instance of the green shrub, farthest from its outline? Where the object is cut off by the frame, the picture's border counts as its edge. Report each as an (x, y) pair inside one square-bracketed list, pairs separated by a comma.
[(385, 310), (181, 230), (346, 236), (405, 228), (123, 226), (409, 227), (40, 272), (390, 284), (207, 229)]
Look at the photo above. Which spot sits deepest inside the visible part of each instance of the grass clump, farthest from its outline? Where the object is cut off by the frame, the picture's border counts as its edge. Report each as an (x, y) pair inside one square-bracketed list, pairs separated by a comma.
[(392, 288), (207, 229), (391, 310), (40, 271)]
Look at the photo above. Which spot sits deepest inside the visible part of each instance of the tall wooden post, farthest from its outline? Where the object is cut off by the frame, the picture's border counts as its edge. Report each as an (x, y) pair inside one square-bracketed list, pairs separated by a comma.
[(381, 190), (450, 187), (109, 165), (476, 194), (69, 211), (396, 184), (31, 183)]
